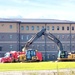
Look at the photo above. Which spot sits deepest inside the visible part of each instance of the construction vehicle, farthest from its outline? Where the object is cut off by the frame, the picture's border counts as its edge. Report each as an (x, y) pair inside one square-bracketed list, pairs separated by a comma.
[(66, 56), (11, 56), (30, 55), (34, 38), (62, 55)]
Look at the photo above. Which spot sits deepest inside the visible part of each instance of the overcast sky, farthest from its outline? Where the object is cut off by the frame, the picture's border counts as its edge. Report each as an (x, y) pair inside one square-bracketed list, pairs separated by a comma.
[(45, 9)]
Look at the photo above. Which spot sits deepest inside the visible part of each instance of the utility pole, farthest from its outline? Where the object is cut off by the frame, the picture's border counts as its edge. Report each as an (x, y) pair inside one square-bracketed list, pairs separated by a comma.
[(19, 36), (70, 37), (45, 46)]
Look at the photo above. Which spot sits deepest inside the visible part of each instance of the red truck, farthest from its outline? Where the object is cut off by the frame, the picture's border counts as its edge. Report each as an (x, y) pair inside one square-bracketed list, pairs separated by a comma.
[(11, 56)]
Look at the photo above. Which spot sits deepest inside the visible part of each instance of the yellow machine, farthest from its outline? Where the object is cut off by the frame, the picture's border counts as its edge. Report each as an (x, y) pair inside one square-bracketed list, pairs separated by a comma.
[(22, 58), (30, 55), (65, 56)]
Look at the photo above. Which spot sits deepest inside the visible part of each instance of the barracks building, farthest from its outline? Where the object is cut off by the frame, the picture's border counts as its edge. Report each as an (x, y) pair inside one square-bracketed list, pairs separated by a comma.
[(14, 33)]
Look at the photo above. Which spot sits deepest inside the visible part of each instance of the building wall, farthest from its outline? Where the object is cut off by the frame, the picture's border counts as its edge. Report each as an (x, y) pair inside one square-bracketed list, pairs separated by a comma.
[(8, 27), (67, 38), (13, 36), (9, 36)]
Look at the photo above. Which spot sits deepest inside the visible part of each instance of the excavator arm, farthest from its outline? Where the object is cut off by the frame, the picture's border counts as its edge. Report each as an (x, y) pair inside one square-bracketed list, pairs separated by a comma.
[(54, 39), (47, 34), (34, 38)]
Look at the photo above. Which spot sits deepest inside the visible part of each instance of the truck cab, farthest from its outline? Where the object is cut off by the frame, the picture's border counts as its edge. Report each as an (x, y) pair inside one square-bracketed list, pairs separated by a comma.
[(6, 58), (30, 53), (33, 55)]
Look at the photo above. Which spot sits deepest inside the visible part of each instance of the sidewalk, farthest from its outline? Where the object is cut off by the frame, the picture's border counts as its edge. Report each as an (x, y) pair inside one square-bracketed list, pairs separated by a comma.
[(41, 72)]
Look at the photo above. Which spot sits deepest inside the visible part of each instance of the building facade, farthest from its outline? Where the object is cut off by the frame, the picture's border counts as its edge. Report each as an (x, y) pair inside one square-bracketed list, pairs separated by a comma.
[(14, 33)]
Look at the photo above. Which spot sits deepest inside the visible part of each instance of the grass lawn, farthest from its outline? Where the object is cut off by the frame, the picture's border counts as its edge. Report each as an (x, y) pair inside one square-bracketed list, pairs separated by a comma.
[(36, 66)]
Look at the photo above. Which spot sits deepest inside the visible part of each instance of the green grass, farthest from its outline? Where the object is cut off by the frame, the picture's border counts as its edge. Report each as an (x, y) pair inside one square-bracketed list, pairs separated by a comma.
[(36, 66)]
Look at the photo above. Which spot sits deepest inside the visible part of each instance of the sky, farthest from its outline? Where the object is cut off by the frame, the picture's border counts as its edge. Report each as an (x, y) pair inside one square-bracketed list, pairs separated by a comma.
[(38, 9)]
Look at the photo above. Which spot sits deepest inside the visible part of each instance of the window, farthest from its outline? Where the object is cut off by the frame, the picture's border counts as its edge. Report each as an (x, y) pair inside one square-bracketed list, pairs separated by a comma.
[(53, 56), (63, 46), (57, 27), (53, 46), (38, 46), (48, 46), (21, 37), (33, 46), (68, 28), (48, 56), (58, 36), (27, 37), (43, 47), (52, 27), (43, 56), (42, 37), (73, 46), (11, 47), (37, 27), (72, 27), (27, 27), (63, 36), (68, 45), (10, 26), (0, 48), (68, 36), (32, 36), (72, 36), (10, 36), (62, 27), (22, 27), (42, 27), (32, 27), (47, 27)]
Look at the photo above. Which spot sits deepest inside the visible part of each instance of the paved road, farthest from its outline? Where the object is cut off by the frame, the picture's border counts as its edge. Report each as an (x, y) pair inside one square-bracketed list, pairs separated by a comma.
[(41, 72)]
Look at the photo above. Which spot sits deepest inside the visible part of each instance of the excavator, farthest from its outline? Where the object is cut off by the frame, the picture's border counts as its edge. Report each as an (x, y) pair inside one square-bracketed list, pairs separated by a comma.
[(62, 55), (34, 55), (66, 56)]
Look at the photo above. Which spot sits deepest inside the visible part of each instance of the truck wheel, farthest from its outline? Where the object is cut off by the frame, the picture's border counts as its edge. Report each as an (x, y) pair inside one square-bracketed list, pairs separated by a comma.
[(18, 59)]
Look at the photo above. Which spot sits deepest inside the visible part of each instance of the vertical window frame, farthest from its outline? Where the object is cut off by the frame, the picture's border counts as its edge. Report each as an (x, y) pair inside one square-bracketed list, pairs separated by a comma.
[(58, 28), (52, 27), (10, 36), (22, 37), (27, 27), (27, 37), (10, 26), (72, 27), (32, 27), (22, 27), (63, 28), (43, 27), (37, 28), (68, 27), (11, 46), (48, 28)]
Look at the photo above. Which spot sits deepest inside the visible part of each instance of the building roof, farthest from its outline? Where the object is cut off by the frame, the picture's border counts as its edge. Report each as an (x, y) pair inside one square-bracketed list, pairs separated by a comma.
[(35, 20), (8, 20)]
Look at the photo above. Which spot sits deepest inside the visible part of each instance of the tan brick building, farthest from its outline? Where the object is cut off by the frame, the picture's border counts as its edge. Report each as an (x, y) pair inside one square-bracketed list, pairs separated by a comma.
[(14, 33)]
